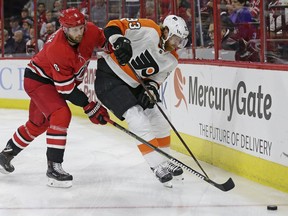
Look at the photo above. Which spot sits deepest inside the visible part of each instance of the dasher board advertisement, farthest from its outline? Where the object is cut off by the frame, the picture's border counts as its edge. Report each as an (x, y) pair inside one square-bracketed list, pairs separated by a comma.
[(240, 108)]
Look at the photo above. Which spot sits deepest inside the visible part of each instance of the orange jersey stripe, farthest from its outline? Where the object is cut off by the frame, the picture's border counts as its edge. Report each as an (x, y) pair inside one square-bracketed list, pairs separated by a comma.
[(125, 68)]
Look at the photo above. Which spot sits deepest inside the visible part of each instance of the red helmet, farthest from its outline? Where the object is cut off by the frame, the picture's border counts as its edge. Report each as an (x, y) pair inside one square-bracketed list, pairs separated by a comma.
[(71, 17)]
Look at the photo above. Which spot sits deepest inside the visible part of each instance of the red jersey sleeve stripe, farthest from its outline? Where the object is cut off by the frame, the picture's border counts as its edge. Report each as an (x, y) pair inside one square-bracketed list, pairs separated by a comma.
[(67, 89), (36, 69)]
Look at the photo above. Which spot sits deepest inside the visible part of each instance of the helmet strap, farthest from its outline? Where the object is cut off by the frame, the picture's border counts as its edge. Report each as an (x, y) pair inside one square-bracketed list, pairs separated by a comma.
[(165, 40)]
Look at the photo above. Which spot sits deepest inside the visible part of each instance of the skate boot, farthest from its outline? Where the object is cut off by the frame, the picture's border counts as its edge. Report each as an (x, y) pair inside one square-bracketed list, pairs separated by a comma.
[(5, 160), (175, 170), (163, 175), (57, 177)]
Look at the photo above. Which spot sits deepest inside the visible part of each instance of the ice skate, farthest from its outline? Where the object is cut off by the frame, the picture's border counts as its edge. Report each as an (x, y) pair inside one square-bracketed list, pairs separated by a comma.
[(163, 175), (57, 177), (175, 170), (5, 160)]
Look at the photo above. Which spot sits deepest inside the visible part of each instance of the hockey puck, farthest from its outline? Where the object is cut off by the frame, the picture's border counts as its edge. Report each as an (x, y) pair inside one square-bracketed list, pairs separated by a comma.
[(272, 207)]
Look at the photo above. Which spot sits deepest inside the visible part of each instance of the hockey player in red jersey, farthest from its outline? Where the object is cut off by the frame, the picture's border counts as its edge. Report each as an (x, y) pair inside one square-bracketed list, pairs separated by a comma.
[(151, 50), (51, 78)]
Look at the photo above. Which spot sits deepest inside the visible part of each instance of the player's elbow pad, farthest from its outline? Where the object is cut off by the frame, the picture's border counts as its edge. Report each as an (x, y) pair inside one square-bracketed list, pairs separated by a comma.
[(111, 30)]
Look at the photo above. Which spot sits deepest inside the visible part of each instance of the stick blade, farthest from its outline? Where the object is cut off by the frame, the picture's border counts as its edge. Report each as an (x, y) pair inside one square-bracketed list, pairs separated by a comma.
[(227, 186)]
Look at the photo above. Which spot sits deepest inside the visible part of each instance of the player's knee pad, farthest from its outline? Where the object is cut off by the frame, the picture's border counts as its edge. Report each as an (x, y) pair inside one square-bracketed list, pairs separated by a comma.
[(36, 129), (159, 125), (138, 122), (61, 117)]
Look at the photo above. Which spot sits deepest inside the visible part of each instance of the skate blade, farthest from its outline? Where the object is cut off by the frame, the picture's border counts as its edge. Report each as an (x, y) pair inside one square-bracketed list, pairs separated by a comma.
[(179, 177), (59, 184), (168, 184)]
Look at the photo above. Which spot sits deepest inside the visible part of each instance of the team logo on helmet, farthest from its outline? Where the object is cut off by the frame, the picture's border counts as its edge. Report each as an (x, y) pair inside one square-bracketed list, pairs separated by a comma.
[(71, 17), (176, 25)]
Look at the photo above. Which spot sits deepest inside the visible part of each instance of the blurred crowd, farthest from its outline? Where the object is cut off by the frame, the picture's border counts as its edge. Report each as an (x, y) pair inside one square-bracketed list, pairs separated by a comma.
[(20, 35), (239, 23)]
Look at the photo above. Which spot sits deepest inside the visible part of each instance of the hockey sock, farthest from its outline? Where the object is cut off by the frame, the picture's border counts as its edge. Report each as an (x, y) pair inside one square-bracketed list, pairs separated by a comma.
[(56, 141), (151, 157), (164, 144), (21, 139)]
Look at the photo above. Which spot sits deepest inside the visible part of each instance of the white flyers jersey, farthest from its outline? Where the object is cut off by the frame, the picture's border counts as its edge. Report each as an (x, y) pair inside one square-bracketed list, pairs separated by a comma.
[(148, 60)]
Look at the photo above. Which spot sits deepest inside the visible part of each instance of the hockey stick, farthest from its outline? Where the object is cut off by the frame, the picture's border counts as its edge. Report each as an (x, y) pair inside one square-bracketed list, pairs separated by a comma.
[(166, 117), (228, 185)]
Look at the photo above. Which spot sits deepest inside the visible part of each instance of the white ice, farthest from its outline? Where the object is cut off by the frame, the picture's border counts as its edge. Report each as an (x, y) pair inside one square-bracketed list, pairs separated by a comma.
[(112, 178)]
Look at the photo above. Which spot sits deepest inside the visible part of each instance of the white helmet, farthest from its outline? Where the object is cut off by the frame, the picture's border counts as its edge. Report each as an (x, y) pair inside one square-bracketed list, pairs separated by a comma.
[(176, 25)]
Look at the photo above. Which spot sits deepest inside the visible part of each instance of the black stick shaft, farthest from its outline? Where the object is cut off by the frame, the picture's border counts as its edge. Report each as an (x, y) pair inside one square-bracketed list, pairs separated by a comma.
[(228, 185), (166, 117)]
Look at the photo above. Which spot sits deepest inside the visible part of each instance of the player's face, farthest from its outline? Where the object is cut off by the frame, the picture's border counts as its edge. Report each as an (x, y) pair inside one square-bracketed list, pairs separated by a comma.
[(76, 33), (173, 42)]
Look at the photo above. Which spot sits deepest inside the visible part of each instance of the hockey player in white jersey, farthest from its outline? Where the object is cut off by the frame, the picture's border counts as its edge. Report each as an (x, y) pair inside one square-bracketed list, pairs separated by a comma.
[(151, 50)]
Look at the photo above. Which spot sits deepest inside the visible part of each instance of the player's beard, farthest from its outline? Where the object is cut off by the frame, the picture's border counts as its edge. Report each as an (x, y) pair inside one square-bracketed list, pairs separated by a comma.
[(76, 39), (168, 47)]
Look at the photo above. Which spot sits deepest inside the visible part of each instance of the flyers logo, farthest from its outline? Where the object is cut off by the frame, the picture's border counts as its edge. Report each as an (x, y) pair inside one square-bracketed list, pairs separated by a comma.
[(179, 83), (146, 63)]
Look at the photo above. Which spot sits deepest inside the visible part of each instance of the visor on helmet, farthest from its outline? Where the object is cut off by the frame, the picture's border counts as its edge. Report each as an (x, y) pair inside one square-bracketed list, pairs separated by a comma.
[(177, 41)]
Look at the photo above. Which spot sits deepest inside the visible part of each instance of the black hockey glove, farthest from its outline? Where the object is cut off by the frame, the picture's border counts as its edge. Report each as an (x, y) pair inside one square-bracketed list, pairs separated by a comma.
[(144, 100), (123, 50)]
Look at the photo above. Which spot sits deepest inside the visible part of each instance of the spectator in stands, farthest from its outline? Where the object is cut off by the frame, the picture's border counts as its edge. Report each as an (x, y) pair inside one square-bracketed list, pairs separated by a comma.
[(30, 6), (184, 10), (132, 8), (27, 24), (275, 20), (98, 13), (150, 13), (49, 19), (254, 9), (165, 9), (41, 15), (57, 6), (242, 19), (31, 47), (8, 43), (14, 25), (50, 29), (114, 10), (19, 43), (25, 15), (231, 40)]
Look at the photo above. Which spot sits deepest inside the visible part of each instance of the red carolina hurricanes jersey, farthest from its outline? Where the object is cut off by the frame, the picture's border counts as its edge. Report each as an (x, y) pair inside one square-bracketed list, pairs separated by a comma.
[(64, 64)]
